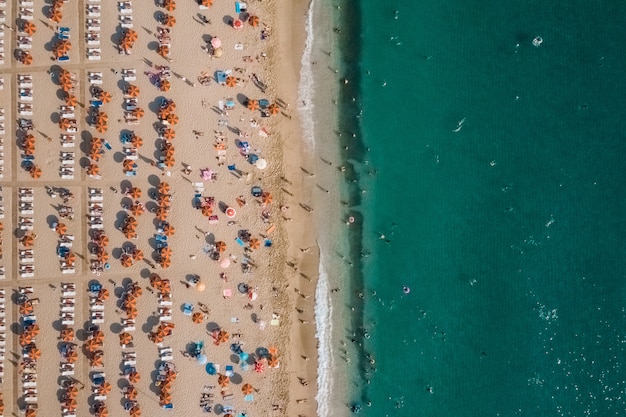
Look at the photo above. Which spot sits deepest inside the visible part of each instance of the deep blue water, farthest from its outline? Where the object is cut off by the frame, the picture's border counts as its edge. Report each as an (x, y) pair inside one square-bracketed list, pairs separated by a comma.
[(509, 232)]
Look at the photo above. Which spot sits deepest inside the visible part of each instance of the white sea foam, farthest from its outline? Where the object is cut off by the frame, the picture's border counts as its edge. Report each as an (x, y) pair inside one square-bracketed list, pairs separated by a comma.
[(306, 86), (323, 313)]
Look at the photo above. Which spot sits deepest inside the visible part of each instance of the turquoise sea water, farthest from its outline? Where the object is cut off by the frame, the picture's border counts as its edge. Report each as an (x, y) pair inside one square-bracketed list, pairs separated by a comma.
[(509, 232)]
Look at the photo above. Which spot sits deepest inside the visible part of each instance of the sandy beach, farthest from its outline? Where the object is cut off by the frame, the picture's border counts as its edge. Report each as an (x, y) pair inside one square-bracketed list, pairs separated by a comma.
[(250, 273)]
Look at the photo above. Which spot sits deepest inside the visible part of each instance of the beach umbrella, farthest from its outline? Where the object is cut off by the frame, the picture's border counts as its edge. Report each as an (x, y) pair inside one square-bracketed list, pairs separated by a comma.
[(223, 380), (101, 117), (136, 209), (127, 260), (29, 150), (169, 230), (71, 391), (30, 412), (126, 44), (97, 361), (102, 240), (253, 105), (168, 20), (166, 252), (163, 113), (70, 100), (247, 389), (98, 336), (156, 338), (60, 228), (29, 28), (70, 404), (125, 338), (67, 334), (28, 140), (131, 35), (92, 345), (64, 75), (161, 213), (221, 336), (56, 15), (67, 85), (93, 170), (169, 162), (95, 155), (134, 377), (132, 91), (206, 3), (128, 165), (131, 392), (96, 142), (231, 81), (136, 141), (63, 46), (220, 246), (28, 240), (102, 127), (273, 362), (165, 398), (138, 255), (103, 256), (132, 313), (169, 134), (102, 411), (25, 339), (207, 211), (71, 356), (259, 367), (164, 200), (165, 85), (139, 112), (70, 257), (255, 244), (103, 294), (216, 42), (266, 197), (163, 50), (155, 280), (105, 96), (165, 263), (196, 317), (237, 24), (274, 109), (35, 172), (64, 124), (134, 193), (169, 5), (26, 58), (32, 329), (253, 20), (164, 188), (135, 411), (26, 308), (172, 119)]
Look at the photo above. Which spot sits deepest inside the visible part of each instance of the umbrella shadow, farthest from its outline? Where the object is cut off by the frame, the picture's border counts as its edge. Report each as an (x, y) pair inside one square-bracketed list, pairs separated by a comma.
[(116, 253), (116, 328), (155, 105), (242, 99), (236, 379), (153, 46), (119, 157), (212, 326), (57, 325), (51, 220), (85, 144), (120, 217), (145, 273), (151, 321), (116, 37), (254, 317), (228, 20), (55, 117), (234, 358)]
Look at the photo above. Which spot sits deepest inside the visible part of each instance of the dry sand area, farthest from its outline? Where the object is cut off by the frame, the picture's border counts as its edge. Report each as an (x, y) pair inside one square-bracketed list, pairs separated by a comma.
[(32, 204)]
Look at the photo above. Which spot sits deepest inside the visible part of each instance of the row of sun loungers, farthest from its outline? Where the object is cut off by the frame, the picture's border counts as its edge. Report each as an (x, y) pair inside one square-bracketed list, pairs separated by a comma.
[(2, 332), (29, 351), (1, 142), (2, 20), (68, 303), (66, 170), (95, 198), (26, 206)]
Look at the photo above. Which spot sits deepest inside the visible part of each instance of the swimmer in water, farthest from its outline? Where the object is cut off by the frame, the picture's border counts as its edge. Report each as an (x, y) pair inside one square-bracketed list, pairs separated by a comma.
[(406, 289), (459, 125)]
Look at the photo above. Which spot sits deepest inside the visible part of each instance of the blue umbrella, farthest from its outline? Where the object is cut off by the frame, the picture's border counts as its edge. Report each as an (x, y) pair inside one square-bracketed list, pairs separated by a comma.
[(210, 369)]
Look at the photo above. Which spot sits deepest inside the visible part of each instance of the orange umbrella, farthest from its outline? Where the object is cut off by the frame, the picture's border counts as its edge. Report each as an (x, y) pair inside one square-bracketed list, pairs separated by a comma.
[(26, 308), (169, 230), (102, 240), (103, 256), (65, 76), (207, 3), (102, 127), (126, 44), (28, 241), (166, 252), (70, 100), (207, 211), (222, 337), (71, 391), (273, 362), (170, 106), (169, 134), (165, 398), (170, 5), (168, 20), (165, 85), (138, 255), (134, 377), (128, 165), (26, 58), (31, 412), (172, 119), (255, 244), (136, 209), (163, 113), (101, 117), (63, 46), (135, 411), (26, 339), (125, 338), (64, 124), (29, 28), (231, 81), (131, 35), (70, 404), (95, 155), (132, 313), (253, 105), (220, 246), (165, 263), (97, 361), (92, 345), (223, 380), (274, 109), (134, 192), (96, 142), (71, 356), (161, 213), (103, 294), (29, 150), (247, 389), (164, 188), (93, 170), (127, 261), (169, 161), (138, 112), (102, 411), (35, 172), (98, 336), (266, 197), (196, 317), (155, 280), (56, 15), (131, 392), (253, 20), (67, 334), (136, 141), (163, 50), (70, 257), (132, 91), (105, 96), (28, 139), (164, 200), (60, 228), (67, 85)]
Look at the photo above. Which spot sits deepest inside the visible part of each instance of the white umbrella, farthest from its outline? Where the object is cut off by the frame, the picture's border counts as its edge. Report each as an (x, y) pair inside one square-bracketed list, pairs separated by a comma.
[(225, 263), (261, 163), (216, 42)]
